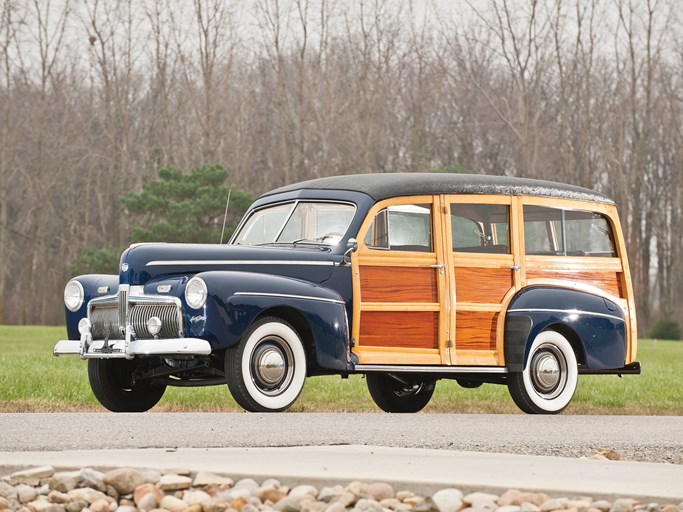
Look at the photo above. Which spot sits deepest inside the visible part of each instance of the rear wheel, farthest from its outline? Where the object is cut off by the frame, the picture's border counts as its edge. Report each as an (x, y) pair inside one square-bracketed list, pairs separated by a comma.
[(548, 381), (266, 371), (111, 381), (398, 394)]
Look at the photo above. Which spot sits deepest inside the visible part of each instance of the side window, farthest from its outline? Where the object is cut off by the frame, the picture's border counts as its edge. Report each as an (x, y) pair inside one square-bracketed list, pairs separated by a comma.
[(558, 232), (402, 228), (480, 228)]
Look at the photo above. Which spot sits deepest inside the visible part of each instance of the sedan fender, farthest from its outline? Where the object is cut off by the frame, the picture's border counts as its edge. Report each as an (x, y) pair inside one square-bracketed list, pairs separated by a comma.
[(237, 299)]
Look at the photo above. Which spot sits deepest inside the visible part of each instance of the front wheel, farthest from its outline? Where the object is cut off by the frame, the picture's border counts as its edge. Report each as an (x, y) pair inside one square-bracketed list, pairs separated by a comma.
[(266, 371), (548, 381), (112, 383), (398, 394)]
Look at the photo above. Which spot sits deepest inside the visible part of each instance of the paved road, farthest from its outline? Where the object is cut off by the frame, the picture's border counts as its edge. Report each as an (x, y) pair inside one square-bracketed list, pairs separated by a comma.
[(641, 438)]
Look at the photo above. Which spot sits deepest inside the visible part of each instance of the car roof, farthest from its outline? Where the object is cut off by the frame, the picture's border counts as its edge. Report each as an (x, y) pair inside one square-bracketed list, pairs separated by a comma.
[(386, 185)]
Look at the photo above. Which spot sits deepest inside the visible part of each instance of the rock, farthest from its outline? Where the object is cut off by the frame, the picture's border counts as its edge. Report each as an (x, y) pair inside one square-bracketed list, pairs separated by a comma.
[(301, 491), (247, 483), (101, 505), (215, 505), (7, 491), (357, 488), (379, 491), (475, 497), (605, 454), (507, 497), (484, 506), (173, 504), (553, 504), (88, 495), (76, 506), (195, 497), (206, 479), (126, 508), (26, 493), (269, 493), (669, 508), (537, 498), (149, 501), (623, 505), (124, 480), (90, 478), (403, 495), (529, 507), (58, 497), (344, 498), (510, 508), (581, 504), (64, 481), (367, 505), (288, 504), (448, 500), (28, 476), (335, 507), (174, 482), (142, 490), (42, 505), (426, 505), (603, 505)]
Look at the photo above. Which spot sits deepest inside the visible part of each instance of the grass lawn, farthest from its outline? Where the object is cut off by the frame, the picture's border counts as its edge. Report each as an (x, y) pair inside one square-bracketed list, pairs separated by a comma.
[(32, 379)]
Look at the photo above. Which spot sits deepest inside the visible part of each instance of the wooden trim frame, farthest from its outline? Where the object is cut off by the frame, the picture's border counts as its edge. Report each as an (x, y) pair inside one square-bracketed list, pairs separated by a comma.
[(407, 296)]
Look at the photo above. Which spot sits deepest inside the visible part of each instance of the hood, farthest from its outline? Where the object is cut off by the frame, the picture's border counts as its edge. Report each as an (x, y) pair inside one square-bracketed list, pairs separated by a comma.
[(142, 262)]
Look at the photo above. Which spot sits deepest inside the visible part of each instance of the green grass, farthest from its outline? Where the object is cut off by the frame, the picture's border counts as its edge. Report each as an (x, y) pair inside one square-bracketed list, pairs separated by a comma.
[(32, 379)]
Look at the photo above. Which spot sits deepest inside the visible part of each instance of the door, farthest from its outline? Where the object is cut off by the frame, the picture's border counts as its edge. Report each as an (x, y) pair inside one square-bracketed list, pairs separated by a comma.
[(400, 284), (485, 262)]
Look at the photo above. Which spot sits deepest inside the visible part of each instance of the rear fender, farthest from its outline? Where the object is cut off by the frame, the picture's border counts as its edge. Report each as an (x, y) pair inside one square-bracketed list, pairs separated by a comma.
[(594, 325), (237, 299)]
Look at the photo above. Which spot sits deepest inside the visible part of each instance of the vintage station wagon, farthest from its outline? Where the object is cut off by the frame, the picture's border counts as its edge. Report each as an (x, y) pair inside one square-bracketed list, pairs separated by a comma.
[(406, 278)]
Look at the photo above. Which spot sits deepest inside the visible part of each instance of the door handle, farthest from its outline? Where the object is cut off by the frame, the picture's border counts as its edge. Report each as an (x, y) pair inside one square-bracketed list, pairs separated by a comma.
[(438, 265), (515, 267)]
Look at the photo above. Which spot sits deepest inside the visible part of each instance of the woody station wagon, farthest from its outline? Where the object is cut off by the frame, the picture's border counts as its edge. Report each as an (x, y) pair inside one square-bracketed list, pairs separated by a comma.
[(405, 278)]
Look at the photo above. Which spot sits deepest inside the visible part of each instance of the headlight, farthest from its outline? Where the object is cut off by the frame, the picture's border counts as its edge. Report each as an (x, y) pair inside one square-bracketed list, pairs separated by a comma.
[(196, 293), (73, 295)]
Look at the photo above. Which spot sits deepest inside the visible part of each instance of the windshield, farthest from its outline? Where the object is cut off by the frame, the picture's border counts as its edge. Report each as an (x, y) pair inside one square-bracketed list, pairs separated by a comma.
[(297, 222)]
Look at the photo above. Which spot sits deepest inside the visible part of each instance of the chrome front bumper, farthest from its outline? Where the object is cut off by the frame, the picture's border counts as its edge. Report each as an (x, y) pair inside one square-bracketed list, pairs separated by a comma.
[(120, 349)]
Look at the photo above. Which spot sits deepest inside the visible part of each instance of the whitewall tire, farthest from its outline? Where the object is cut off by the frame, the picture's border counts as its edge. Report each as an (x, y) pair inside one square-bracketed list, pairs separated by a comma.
[(548, 381), (266, 371)]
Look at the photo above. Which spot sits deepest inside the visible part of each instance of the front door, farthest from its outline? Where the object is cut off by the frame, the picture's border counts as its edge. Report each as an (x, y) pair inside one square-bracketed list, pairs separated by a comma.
[(485, 262), (401, 306)]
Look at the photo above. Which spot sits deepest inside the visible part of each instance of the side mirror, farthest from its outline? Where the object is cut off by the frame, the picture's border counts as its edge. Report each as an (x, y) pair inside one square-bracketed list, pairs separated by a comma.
[(351, 247)]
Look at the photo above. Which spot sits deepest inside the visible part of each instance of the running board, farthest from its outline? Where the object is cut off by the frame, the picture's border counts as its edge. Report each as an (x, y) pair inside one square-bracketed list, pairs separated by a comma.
[(384, 368)]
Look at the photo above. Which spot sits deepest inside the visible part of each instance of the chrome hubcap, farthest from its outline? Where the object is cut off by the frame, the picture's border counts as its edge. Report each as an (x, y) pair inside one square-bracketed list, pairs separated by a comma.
[(272, 366), (548, 371)]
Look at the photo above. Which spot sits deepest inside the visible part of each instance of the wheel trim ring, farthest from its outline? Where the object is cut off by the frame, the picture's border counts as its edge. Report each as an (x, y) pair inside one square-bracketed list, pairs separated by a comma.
[(548, 371), (272, 364)]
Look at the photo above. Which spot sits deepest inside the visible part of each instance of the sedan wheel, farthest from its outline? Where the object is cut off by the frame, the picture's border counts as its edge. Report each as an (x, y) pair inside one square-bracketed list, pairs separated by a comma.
[(266, 371), (548, 381)]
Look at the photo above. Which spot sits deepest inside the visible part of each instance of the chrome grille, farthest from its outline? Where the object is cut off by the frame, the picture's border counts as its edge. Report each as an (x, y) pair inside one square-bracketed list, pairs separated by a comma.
[(106, 318)]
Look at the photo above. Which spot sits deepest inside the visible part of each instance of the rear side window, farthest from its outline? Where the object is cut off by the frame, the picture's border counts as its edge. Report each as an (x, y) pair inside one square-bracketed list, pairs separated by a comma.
[(480, 228), (402, 228), (560, 232)]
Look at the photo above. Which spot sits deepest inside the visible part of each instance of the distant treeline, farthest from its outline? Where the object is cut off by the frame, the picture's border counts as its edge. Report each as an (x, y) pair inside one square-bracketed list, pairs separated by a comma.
[(96, 96)]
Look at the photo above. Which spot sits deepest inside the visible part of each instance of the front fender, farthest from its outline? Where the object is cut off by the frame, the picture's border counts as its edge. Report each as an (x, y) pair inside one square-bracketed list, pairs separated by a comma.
[(237, 299), (596, 324)]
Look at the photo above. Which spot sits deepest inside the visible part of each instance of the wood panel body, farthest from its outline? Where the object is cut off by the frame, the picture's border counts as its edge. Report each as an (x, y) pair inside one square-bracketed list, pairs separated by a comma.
[(398, 284), (482, 285), (476, 330), (405, 329), (407, 310), (608, 282)]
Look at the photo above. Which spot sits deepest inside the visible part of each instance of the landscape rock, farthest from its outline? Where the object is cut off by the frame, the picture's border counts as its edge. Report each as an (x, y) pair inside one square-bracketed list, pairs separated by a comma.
[(623, 505), (58, 497), (124, 480), (380, 491), (476, 497), (143, 490), (448, 500), (76, 506), (64, 481), (301, 491), (30, 475), (26, 493), (7, 491), (207, 479), (174, 482), (195, 497), (173, 504)]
